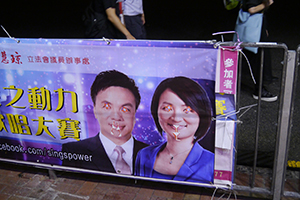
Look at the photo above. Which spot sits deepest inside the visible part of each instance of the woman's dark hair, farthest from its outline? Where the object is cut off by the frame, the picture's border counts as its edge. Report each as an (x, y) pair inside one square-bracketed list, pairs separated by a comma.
[(192, 94), (110, 78)]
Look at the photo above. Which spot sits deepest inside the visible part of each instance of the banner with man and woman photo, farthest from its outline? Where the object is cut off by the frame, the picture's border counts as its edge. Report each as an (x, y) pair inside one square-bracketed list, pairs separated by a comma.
[(152, 109)]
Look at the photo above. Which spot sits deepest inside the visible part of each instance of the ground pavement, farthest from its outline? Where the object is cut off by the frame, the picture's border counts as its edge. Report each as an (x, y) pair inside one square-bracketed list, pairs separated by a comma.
[(19, 182)]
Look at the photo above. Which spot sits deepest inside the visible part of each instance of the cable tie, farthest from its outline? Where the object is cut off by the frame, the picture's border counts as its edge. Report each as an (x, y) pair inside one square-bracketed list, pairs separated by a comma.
[(18, 41)]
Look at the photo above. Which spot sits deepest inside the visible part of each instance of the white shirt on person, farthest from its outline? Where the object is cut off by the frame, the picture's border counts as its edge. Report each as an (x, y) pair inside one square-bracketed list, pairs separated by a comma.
[(109, 147), (132, 7)]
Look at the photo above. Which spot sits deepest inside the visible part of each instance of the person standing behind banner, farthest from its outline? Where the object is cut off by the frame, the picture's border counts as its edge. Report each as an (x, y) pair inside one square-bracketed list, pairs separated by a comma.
[(181, 108), (251, 8), (105, 21), (116, 99), (134, 18)]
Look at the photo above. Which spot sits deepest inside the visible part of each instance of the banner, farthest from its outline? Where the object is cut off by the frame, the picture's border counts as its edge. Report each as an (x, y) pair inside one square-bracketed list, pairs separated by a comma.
[(226, 73), (74, 103)]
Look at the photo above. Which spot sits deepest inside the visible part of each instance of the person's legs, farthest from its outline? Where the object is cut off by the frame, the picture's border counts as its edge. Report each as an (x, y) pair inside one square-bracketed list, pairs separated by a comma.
[(255, 62), (267, 72), (135, 26), (268, 75)]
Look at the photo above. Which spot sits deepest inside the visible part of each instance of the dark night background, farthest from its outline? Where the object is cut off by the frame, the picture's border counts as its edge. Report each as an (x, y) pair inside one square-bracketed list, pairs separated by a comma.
[(165, 19)]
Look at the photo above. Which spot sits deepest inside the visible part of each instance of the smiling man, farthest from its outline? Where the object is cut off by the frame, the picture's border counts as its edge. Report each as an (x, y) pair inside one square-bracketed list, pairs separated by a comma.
[(116, 99)]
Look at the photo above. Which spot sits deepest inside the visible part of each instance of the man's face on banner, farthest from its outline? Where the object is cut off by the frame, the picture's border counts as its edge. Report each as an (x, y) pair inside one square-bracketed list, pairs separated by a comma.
[(115, 111)]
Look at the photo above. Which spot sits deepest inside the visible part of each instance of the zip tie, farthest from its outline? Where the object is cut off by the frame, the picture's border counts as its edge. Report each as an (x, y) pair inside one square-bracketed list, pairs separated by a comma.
[(249, 65), (237, 44), (106, 40), (227, 32), (213, 195), (18, 41), (248, 108), (229, 192), (221, 196), (224, 32), (237, 47), (235, 112)]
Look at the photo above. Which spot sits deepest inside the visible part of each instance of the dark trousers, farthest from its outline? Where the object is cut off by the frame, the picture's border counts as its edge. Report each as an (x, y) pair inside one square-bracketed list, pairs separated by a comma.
[(134, 25), (255, 62)]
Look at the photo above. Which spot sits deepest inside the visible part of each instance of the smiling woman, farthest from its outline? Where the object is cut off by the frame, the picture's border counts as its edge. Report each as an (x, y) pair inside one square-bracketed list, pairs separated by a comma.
[(181, 108)]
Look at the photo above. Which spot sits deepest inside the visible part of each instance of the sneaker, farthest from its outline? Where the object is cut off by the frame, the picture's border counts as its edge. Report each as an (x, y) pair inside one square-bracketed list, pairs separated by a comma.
[(265, 95)]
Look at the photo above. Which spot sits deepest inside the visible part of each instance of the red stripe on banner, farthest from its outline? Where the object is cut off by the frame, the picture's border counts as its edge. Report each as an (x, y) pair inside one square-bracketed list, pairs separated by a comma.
[(223, 175)]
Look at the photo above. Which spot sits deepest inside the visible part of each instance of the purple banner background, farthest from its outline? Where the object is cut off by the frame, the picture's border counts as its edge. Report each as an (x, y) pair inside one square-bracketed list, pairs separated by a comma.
[(35, 64)]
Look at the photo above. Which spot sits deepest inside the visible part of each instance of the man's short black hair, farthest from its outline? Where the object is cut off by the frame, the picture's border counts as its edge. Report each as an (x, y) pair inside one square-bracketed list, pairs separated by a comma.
[(110, 78)]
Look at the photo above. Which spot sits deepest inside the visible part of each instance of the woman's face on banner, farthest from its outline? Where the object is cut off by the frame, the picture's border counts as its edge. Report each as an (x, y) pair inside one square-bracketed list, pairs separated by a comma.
[(175, 116), (115, 111)]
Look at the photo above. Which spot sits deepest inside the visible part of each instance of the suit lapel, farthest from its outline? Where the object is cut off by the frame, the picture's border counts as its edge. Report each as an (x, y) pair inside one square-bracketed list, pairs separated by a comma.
[(150, 162), (100, 158), (137, 146), (186, 170)]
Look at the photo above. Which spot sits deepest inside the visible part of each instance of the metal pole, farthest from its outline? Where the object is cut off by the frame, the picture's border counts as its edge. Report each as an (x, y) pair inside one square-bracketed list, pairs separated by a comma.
[(258, 116), (237, 107), (283, 132), (238, 95)]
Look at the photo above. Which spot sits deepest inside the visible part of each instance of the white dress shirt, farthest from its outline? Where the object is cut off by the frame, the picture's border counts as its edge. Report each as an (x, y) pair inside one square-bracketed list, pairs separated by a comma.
[(109, 147), (133, 7)]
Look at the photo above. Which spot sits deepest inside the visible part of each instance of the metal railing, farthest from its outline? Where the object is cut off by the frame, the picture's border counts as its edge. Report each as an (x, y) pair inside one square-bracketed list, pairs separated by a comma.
[(293, 145), (284, 120), (285, 108)]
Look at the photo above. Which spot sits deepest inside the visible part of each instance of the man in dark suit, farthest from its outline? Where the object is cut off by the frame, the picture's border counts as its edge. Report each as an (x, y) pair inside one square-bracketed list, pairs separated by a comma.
[(116, 99)]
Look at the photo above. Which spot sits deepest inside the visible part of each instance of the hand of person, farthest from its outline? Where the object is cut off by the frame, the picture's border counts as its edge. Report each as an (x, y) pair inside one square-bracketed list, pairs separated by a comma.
[(130, 37), (268, 3), (271, 2), (143, 19), (115, 20)]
